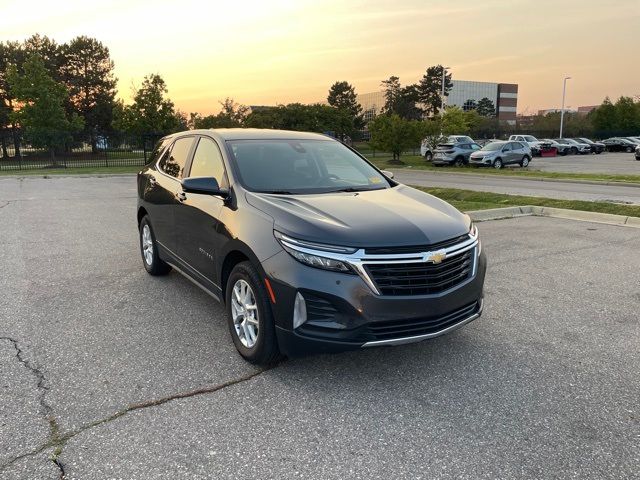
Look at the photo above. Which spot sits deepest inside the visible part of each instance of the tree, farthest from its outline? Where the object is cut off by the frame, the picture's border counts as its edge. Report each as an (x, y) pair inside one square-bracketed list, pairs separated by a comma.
[(232, 115), (392, 93), (41, 114), (486, 108), (11, 54), (430, 89), (87, 70), (454, 121), (627, 116), (391, 133), (48, 50), (151, 111), (403, 101), (603, 118), (342, 96)]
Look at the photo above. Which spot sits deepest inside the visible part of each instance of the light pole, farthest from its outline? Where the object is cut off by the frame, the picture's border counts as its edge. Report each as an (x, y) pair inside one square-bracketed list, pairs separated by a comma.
[(564, 92), (444, 76)]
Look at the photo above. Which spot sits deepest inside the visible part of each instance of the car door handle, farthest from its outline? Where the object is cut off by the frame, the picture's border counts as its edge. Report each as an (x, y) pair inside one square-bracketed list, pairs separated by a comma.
[(152, 181), (181, 196)]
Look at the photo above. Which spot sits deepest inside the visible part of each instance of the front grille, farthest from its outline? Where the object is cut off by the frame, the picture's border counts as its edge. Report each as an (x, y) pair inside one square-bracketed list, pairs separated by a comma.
[(422, 326), (417, 248), (422, 278)]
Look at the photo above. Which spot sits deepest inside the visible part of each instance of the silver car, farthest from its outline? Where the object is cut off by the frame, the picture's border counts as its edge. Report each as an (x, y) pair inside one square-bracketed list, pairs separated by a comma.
[(454, 153), (498, 154)]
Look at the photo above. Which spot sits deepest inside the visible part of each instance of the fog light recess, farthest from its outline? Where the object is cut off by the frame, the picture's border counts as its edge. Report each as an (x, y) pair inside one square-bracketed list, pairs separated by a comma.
[(299, 311)]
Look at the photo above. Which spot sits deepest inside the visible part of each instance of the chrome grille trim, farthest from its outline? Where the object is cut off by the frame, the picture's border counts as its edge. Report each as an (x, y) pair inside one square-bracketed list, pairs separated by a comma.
[(360, 258)]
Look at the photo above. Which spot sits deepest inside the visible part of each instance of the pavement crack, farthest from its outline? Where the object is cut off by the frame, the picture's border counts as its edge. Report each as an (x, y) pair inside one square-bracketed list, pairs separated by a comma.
[(59, 440), (46, 409), (6, 203)]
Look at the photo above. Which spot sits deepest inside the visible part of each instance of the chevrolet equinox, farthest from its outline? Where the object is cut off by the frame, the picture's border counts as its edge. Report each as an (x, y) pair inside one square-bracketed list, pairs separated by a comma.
[(309, 246)]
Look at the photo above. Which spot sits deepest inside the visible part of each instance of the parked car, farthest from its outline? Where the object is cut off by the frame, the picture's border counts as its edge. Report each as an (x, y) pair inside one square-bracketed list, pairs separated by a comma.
[(533, 142), (576, 147), (638, 152), (618, 144), (561, 148), (596, 147), (633, 139), (427, 151), (454, 153), (501, 153), (309, 247)]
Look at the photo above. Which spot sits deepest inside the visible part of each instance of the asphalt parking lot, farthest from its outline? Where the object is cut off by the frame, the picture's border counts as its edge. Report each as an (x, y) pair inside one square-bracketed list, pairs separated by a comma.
[(612, 163), (121, 375)]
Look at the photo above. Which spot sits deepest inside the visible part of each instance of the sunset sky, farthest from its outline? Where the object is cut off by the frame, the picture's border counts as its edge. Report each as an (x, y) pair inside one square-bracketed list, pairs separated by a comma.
[(279, 51)]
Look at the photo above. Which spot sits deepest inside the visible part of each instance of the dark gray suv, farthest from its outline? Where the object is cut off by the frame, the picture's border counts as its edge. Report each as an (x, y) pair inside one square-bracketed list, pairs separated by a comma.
[(308, 245)]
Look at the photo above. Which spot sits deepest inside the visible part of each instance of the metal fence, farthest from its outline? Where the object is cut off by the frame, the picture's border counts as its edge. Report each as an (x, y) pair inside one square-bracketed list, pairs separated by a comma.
[(83, 151)]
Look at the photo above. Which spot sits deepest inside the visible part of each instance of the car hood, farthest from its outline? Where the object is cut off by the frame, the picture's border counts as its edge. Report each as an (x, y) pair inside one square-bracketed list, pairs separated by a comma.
[(484, 153), (399, 216)]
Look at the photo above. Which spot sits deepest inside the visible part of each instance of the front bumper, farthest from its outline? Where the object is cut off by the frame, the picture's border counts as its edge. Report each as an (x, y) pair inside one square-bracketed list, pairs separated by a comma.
[(480, 162), (345, 314)]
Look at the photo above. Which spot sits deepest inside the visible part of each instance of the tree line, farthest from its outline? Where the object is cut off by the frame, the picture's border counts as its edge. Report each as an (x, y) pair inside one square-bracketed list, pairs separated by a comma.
[(50, 92)]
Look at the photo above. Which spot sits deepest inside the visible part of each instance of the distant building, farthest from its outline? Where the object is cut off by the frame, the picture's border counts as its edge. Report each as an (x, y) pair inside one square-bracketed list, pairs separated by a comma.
[(580, 110), (586, 109), (371, 103), (504, 96), (463, 94)]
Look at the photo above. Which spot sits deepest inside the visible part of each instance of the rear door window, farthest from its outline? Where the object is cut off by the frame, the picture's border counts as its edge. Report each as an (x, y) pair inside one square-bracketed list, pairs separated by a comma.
[(174, 162)]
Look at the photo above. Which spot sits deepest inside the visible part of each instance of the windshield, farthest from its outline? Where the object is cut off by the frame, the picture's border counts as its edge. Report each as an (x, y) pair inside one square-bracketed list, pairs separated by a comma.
[(529, 138), (302, 166), (493, 146)]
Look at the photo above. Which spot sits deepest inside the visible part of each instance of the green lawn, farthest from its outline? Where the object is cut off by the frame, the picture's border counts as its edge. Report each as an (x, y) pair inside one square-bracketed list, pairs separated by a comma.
[(70, 171), (417, 162), (467, 200)]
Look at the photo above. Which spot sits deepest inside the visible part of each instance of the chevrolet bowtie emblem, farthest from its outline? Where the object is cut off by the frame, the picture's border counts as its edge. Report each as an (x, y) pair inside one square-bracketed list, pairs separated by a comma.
[(435, 257)]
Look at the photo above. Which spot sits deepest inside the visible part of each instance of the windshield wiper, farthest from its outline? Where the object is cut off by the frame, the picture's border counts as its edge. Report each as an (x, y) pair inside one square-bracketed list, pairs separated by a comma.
[(276, 192), (354, 189)]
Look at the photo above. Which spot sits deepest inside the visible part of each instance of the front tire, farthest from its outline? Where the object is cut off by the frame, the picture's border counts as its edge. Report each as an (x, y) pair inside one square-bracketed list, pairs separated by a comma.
[(628, 149), (151, 260), (459, 161), (249, 316), (497, 164), (574, 151), (428, 156)]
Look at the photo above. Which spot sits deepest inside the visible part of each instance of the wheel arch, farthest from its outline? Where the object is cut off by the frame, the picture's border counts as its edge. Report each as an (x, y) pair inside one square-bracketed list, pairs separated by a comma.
[(236, 252), (141, 213)]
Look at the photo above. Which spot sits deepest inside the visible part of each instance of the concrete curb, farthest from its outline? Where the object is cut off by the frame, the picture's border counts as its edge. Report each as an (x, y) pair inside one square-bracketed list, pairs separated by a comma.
[(532, 210), (620, 183)]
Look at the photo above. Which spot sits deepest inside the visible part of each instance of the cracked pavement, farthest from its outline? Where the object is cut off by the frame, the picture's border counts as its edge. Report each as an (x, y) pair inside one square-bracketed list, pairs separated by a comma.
[(115, 374)]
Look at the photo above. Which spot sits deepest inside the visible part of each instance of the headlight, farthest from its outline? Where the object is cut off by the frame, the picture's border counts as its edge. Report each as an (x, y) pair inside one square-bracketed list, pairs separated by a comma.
[(474, 233), (315, 254)]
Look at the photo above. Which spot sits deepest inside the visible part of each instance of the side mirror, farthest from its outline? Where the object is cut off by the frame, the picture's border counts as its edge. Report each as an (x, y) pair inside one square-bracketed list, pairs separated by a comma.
[(387, 173), (206, 185)]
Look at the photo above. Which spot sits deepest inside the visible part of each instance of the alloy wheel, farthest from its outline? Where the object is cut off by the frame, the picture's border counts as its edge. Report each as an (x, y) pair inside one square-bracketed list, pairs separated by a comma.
[(147, 245), (244, 312)]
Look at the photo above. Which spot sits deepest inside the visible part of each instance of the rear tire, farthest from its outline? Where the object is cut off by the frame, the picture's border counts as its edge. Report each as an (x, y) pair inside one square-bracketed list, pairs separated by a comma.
[(574, 151), (459, 161), (497, 164), (151, 260), (628, 149), (525, 162), (260, 345)]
